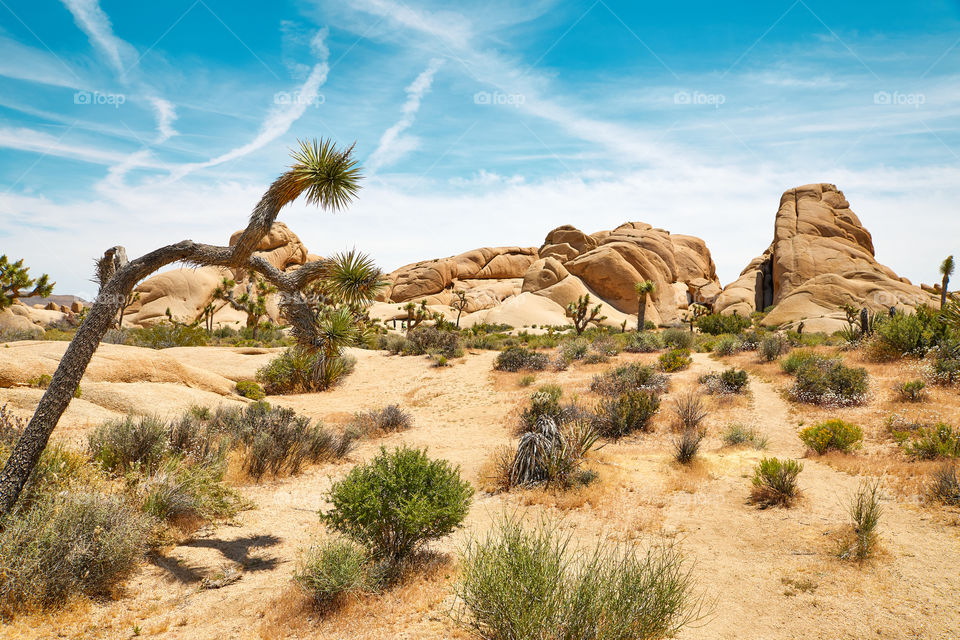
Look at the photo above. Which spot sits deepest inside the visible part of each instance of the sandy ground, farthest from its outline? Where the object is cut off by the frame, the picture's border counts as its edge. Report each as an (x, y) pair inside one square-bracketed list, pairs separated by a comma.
[(764, 574)]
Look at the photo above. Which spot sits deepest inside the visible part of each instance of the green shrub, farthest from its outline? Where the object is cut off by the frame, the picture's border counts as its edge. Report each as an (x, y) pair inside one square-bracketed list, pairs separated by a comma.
[(931, 443), (944, 487), (775, 482), (727, 345), (828, 381), (865, 511), (628, 412), (595, 358), (832, 435), (330, 570), (389, 419), (521, 358), (675, 360), (535, 583), (737, 434), (298, 371), (677, 339), (67, 543), (629, 377), (911, 391), (646, 342), (897, 336), (250, 389), (397, 502), (430, 340), (772, 347), (716, 324), (527, 380), (945, 365), (729, 381), (134, 442), (166, 334)]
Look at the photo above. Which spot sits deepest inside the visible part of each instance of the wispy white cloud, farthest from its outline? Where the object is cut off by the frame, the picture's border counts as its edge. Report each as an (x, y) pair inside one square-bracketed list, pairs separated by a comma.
[(96, 24), (393, 143), (165, 116), (24, 139)]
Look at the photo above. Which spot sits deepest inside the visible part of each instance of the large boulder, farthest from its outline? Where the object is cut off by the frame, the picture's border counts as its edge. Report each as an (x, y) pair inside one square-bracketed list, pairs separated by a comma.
[(187, 290), (821, 258)]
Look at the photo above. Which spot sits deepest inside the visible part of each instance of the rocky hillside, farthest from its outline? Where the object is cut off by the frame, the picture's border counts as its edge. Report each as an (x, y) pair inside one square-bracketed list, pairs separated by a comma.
[(821, 258)]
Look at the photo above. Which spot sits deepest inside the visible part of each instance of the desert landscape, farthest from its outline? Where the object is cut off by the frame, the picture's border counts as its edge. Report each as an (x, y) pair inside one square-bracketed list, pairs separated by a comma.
[(479, 320)]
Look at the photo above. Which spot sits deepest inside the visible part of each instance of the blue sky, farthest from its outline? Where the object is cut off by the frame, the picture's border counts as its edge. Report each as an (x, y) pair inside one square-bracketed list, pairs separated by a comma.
[(479, 123)]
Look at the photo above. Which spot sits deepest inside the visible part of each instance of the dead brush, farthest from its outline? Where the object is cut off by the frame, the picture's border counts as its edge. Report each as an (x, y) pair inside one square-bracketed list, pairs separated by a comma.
[(690, 412)]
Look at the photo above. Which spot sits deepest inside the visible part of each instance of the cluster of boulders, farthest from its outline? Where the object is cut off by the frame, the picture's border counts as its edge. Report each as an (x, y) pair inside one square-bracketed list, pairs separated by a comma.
[(821, 259)]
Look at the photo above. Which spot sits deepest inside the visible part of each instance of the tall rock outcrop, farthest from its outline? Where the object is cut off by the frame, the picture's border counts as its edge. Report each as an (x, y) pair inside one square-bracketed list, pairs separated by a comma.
[(821, 258), (522, 286)]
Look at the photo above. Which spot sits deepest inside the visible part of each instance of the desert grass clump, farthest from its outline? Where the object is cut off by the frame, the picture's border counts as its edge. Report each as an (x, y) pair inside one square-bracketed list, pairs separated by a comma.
[(645, 342), (797, 359), (726, 345), (552, 454), (533, 583), (250, 389), (686, 446), (772, 347), (424, 340), (388, 419), (865, 511), (527, 380), (164, 335), (728, 382), (911, 391), (832, 435), (690, 411), (934, 442), (617, 416), (775, 482), (67, 543), (675, 360), (573, 350), (629, 377), (944, 486), (398, 502), (186, 492), (333, 569), (139, 442), (521, 358), (298, 371), (737, 434)]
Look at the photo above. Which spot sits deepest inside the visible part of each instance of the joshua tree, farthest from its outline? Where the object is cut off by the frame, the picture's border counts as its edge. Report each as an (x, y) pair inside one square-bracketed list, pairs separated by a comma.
[(694, 312), (459, 303), (416, 313), (644, 289), (326, 175), (252, 302), (14, 278), (582, 315), (946, 270)]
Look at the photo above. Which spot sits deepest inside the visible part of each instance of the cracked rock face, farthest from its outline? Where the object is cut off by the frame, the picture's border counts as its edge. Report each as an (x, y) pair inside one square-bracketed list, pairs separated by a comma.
[(821, 258), (570, 263)]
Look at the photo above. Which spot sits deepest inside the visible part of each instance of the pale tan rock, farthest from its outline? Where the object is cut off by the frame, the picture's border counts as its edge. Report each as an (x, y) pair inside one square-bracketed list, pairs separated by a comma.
[(11, 322), (76, 306), (821, 258), (430, 277), (281, 246)]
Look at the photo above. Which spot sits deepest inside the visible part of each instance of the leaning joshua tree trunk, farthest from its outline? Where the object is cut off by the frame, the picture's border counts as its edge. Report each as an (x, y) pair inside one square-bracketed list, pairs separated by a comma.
[(328, 176)]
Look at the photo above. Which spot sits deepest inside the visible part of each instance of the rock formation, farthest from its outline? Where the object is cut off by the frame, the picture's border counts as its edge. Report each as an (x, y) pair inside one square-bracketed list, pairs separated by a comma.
[(526, 286), (821, 258), (187, 290)]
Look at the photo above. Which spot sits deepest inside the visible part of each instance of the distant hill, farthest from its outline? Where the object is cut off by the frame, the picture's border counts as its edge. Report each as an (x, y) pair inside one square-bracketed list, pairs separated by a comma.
[(59, 299)]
